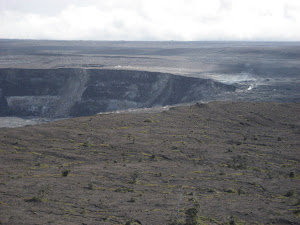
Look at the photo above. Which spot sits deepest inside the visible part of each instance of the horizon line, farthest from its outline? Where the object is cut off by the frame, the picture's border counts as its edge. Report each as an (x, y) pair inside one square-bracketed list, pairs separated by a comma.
[(80, 40)]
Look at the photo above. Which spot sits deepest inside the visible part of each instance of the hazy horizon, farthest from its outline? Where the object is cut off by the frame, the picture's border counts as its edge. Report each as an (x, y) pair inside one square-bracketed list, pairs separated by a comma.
[(94, 40)]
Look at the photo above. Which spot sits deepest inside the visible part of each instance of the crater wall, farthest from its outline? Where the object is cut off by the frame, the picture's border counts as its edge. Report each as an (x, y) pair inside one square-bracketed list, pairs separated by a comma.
[(58, 93)]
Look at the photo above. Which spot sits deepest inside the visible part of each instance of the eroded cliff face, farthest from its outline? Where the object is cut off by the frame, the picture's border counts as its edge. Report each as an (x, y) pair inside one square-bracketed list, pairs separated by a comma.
[(3, 104), (78, 92)]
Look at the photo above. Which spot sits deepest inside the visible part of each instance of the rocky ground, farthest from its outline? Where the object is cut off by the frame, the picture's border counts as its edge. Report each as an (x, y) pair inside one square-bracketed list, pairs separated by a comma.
[(215, 163)]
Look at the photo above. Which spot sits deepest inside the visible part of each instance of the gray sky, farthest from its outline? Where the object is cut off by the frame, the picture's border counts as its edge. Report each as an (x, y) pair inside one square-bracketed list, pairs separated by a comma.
[(186, 20)]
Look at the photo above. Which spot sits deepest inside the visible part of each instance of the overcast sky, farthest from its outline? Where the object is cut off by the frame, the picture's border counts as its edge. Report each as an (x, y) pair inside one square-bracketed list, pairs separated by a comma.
[(185, 20)]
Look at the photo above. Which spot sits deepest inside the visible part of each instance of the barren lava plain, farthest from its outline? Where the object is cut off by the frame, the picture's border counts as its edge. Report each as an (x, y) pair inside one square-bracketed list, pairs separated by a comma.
[(235, 162)]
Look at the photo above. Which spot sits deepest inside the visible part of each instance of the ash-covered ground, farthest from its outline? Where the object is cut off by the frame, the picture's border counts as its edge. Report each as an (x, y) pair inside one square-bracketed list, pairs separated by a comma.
[(231, 163)]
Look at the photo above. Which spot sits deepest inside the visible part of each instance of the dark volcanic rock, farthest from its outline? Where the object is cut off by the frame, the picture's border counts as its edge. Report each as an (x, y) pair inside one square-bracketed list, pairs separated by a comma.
[(3, 104), (125, 167), (76, 92)]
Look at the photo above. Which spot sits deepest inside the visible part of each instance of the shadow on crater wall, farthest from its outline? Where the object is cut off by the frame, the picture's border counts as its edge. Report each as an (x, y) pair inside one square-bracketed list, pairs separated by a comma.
[(58, 93)]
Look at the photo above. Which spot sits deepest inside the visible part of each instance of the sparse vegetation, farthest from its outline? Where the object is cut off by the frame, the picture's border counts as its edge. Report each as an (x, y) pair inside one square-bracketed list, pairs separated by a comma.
[(134, 177), (132, 200), (297, 212), (87, 144), (36, 199), (290, 193), (241, 191), (65, 173), (133, 222), (192, 217), (169, 170), (148, 121), (292, 174), (231, 191), (238, 162), (91, 186), (124, 190), (131, 139), (153, 157)]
